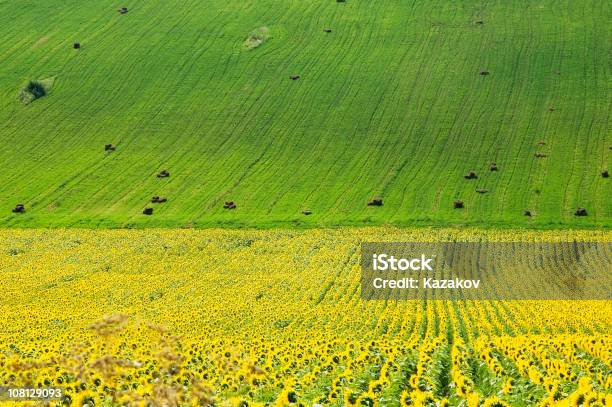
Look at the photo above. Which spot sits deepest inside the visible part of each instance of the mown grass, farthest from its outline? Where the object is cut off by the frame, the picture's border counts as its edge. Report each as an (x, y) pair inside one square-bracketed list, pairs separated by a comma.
[(390, 103)]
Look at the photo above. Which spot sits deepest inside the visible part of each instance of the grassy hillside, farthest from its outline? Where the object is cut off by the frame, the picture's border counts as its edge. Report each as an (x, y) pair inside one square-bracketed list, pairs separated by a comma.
[(390, 103)]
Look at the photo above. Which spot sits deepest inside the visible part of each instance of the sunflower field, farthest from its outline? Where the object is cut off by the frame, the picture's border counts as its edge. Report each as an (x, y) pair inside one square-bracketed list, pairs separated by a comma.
[(276, 318)]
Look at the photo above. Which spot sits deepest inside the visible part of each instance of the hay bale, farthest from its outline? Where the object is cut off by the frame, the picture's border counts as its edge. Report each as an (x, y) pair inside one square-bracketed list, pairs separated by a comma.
[(123, 10), (540, 155), (158, 199), (470, 175), (376, 202), (605, 174), (482, 190), (109, 147), (163, 174), (541, 143), (19, 208), (493, 167), (147, 211), (484, 73), (458, 204), (527, 212), (340, 1), (294, 77), (307, 212), (479, 22), (581, 212), (229, 205), (76, 45), (327, 30), (551, 109)]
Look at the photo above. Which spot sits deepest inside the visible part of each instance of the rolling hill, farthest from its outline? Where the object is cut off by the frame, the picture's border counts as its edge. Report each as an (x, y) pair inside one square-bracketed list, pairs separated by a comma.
[(395, 99)]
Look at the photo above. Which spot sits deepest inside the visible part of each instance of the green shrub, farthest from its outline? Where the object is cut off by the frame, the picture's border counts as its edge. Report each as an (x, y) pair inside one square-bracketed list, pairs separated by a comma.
[(34, 90)]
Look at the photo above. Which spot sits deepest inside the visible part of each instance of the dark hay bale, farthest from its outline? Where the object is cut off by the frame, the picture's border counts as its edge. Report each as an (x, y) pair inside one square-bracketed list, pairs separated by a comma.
[(480, 22), (340, 1), (580, 212), (109, 147), (376, 202), (484, 73), (458, 204), (527, 213), (540, 155), (605, 174), (482, 190), (19, 208), (163, 174), (76, 45), (229, 205), (470, 175), (307, 212), (294, 77), (493, 167), (147, 211)]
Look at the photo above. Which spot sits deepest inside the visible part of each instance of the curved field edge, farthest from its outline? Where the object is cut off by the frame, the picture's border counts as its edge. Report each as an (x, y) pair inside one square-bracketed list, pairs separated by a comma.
[(275, 317), (390, 103)]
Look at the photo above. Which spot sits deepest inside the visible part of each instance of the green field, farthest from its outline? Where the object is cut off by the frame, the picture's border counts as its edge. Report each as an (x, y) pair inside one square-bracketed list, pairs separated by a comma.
[(391, 103)]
